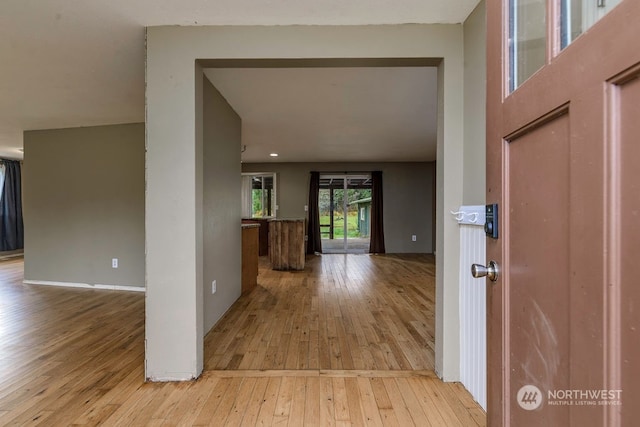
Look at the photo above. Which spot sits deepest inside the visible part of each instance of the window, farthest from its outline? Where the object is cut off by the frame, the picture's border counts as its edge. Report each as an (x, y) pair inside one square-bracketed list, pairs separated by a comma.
[(578, 15), (258, 195), (528, 31), (527, 39)]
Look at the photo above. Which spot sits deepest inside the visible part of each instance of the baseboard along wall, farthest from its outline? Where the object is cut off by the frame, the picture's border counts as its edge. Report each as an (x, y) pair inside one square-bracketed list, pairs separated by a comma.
[(86, 285)]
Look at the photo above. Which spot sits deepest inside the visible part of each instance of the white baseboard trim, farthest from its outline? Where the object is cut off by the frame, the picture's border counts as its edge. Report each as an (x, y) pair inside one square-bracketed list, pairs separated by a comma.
[(86, 285), (178, 377)]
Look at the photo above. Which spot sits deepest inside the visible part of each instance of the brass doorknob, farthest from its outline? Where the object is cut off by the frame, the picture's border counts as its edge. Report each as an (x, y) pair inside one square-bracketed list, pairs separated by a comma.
[(491, 271)]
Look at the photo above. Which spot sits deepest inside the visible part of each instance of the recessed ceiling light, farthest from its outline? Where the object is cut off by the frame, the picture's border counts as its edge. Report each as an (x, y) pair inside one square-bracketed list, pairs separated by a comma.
[(274, 154)]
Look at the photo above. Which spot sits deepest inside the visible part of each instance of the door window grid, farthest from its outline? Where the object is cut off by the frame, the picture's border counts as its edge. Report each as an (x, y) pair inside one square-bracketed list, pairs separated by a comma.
[(528, 31), (577, 16)]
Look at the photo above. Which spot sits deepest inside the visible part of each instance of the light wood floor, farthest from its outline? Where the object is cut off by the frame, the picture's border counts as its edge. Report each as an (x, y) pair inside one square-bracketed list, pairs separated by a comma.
[(342, 312), (75, 356)]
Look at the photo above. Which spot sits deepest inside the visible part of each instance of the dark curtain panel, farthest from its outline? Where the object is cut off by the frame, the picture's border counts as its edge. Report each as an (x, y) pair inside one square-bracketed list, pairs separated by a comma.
[(314, 244), (376, 245), (11, 228)]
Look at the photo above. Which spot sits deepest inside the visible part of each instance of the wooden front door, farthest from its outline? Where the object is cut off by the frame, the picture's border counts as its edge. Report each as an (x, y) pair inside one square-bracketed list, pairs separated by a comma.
[(563, 163)]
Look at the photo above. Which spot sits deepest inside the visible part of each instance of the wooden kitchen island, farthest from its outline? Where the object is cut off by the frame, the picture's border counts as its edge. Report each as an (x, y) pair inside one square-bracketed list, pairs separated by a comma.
[(286, 244)]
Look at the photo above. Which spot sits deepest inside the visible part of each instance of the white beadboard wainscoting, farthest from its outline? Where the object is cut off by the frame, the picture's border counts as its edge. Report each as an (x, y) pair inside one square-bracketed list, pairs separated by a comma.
[(473, 331)]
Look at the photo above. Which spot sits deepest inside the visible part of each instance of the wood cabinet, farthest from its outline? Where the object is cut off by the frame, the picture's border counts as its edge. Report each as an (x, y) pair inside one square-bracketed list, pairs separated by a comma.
[(263, 249), (249, 257), (286, 244)]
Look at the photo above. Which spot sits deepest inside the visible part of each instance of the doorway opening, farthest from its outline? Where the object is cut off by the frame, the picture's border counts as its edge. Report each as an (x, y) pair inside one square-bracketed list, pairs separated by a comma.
[(446, 258), (344, 201)]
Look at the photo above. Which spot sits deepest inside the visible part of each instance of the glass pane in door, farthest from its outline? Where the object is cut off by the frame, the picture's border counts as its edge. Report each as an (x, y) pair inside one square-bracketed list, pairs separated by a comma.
[(358, 215), (527, 39), (331, 206), (579, 15), (324, 206), (345, 211), (338, 216)]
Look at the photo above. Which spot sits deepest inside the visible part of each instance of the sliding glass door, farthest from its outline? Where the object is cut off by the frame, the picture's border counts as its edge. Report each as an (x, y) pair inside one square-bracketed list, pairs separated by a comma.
[(345, 211)]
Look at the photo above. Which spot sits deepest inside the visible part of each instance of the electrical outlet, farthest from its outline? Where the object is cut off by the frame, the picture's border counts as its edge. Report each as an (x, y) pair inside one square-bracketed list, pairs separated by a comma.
[(213, 287), (413, 238), (114, 263)]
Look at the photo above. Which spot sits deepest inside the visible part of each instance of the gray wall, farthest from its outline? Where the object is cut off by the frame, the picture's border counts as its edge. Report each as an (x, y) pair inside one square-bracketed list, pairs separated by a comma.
[(83, 201), (221, 205), (475, 78), (408, 197), (174, 202)]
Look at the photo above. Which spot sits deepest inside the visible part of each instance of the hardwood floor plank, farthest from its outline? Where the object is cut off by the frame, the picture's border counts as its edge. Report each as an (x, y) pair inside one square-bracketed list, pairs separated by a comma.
[(347, 341), (241, 402), (458, 392), (227, 403), (299, 398), (354, 401), (209, 409), (268, 405), (327, 403), (158, 395), (346, 360), (255, 401), (187, 409), (96, 415), (340, 400), (380, 393), (285, 398), (398, 404), (462, 412), (17, 393), (312, 402), (413, 405), (435, 409), (389, 418), (130, 410), (169, 403), (117, 389), (370, 410), (314, 349)]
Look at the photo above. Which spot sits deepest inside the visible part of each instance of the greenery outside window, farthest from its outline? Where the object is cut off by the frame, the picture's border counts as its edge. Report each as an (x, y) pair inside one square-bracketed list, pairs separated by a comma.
[(259, 195)]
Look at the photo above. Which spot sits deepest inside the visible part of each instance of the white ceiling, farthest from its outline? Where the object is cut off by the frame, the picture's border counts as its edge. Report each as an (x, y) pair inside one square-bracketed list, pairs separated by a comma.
[(68, 63), (333, 114)]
